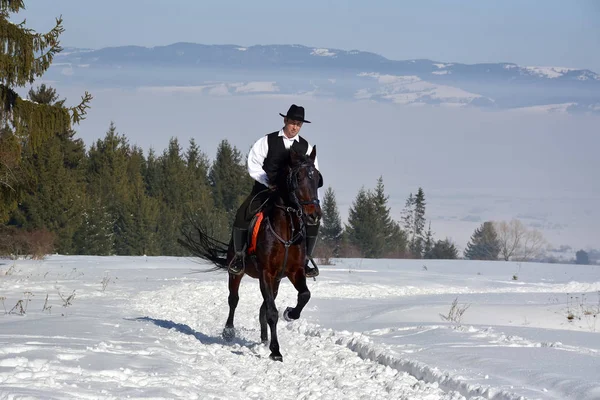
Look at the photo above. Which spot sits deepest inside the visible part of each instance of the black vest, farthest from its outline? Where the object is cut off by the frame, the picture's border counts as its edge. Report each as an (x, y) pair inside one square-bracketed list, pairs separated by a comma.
[(277, 154)]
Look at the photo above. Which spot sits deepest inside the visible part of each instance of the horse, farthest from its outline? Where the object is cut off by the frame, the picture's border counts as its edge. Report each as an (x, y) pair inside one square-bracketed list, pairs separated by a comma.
[(276, 247)]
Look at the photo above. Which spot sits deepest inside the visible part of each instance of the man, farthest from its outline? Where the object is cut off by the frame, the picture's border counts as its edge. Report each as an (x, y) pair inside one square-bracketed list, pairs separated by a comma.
[(264, 160)]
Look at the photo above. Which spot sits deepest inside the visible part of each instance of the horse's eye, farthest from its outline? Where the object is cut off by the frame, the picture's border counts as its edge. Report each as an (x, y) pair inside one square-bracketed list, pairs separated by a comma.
[(310, 174)]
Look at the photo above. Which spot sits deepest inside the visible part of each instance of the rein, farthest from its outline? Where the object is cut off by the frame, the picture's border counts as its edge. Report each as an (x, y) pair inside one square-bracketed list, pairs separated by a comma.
[(295, 237)]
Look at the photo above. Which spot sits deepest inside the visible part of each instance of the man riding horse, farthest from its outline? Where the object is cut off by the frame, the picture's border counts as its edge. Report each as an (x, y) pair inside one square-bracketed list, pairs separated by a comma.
[(264, 160)]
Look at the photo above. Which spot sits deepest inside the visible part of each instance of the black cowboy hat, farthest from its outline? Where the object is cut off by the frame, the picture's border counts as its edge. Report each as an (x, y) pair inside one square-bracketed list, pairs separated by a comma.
[(296, 113)]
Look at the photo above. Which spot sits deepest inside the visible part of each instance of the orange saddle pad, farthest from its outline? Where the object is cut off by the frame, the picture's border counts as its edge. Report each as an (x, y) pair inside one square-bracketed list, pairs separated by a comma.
[(256, 227)]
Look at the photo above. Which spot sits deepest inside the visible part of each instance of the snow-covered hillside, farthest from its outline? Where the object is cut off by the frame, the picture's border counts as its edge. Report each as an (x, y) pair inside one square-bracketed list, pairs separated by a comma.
[(330, 73)]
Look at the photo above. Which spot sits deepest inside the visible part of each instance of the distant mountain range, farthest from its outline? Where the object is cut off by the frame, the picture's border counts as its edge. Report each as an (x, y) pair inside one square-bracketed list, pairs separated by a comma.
[(296, 69)]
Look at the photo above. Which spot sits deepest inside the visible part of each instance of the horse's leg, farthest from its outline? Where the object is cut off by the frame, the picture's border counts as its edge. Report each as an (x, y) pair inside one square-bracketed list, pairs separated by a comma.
[(262, 316), (299, 282), (233, 299), (264, 337), (269, 287)]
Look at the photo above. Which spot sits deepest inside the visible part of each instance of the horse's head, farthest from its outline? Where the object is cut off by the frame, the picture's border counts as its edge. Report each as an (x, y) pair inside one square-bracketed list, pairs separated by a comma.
[(300, 180)]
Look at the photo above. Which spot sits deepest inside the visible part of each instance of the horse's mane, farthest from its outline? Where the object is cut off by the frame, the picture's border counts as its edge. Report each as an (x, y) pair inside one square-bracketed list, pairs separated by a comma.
[(291, 160)]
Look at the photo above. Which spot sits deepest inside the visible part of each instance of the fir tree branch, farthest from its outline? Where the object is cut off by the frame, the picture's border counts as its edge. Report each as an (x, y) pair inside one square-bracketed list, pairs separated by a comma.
[(37, 121), (8, 176), (31, 120), (79, 112), (13, 6), (19, 60), (48, 41)]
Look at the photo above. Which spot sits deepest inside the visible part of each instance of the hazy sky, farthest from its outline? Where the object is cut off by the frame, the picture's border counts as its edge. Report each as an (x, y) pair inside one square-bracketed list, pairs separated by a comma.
[(546, 33), (474, 165)]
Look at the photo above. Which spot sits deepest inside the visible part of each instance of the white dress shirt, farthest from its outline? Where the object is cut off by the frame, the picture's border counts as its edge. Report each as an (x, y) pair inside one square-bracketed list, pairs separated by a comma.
[(259, 151)]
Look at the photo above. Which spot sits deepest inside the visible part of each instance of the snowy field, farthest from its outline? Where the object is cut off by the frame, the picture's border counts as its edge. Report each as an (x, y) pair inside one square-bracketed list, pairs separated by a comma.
[(150, 328)]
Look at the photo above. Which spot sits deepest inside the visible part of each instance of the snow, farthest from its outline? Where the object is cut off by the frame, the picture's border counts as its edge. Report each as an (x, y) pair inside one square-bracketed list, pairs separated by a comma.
[(242, 48), (402, 89), (76, 51), (255, 87), (175, 89), (220, 89), (561, 108), (322, 53), (217, 88), (549, 72), (586, 75), (150, 327)]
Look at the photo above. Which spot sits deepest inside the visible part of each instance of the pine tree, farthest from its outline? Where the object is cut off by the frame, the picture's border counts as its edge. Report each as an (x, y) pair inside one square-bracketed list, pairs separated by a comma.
[(398, 242), (197, 167), (139, 219), (152, 175), (417, 241), (200, 206), (95, 235), (54, 196), (390, 240), (428, 242), (10, 172), (229, 180), (172, 194), (24, 56), (582, 257), (173, 171), (331, 228), (484, 243), (383, 221), (108, 187), (361, 225), (370, 227), (408, 216), (443, 250)]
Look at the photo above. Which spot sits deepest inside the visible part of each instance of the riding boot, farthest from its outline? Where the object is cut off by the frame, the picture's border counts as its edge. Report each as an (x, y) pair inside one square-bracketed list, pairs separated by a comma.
[(237, 264), (310, 271)]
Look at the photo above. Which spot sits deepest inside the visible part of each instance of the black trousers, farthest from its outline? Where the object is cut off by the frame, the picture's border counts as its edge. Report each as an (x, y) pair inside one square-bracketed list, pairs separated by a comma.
[(312, 230), (250, 206)]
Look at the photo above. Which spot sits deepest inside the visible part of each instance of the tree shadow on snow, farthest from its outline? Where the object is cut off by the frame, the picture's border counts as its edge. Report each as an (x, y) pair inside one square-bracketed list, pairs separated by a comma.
[(201, 337)]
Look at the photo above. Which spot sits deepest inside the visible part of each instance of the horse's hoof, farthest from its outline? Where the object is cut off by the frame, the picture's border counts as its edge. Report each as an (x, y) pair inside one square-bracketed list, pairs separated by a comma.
[(228, 334), (286, 314), (276, 357)]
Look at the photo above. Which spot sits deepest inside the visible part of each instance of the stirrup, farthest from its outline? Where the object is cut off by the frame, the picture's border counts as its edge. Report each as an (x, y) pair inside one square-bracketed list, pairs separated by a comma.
[(309, 271), (237, 264)]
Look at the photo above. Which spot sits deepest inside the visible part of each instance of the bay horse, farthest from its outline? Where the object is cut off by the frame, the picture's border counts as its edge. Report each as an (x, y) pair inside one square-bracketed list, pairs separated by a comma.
[(276, 247)]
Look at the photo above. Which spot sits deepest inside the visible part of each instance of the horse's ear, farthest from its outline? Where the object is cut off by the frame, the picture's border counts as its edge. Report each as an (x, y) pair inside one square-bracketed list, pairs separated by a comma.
[(313, 153)]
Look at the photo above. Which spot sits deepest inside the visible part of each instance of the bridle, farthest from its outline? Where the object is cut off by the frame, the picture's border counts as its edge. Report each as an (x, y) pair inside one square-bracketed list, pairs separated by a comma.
[(292, 184)]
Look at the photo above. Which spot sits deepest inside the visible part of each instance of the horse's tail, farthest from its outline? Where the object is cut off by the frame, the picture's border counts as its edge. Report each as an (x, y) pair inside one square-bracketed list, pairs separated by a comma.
[(200, 244)]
